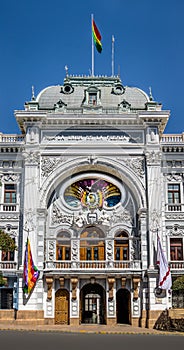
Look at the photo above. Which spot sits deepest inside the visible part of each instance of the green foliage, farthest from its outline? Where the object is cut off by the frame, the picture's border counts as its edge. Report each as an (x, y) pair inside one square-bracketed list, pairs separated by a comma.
[(6, 242), (178, 284), (2, 282)]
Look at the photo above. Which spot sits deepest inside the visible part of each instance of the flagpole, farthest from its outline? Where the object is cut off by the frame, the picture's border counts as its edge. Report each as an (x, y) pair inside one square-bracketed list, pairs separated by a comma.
[(113, 55), (92, 49)]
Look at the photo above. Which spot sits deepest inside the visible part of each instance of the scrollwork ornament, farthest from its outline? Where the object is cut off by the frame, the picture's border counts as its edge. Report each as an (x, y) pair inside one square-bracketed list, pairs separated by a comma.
[(137, 165)]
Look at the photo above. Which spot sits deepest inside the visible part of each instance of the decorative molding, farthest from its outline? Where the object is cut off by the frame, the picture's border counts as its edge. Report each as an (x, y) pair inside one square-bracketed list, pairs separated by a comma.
[(153, 157), (51, 250), (174, 216), (58, 217), (155, 220), (75, 250), (137, 165), (10, 178), (49, 281), (175, 177), (111, 281), (48, 164), (31, 157), (175, 230), (136, 281), (61, 282), (123, 282), (109, 250), (74, 282)]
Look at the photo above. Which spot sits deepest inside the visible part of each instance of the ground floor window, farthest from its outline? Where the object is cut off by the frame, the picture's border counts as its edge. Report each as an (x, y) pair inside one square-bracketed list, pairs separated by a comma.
[(6, 298)]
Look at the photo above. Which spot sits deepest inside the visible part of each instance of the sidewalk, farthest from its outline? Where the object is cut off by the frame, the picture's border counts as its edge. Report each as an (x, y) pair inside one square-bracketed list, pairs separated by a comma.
[(86, 328)]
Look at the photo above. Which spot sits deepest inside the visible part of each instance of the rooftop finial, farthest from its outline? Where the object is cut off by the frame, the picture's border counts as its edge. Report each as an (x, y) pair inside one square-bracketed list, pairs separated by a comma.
[(33, 95), (150, 94), (66, 69)]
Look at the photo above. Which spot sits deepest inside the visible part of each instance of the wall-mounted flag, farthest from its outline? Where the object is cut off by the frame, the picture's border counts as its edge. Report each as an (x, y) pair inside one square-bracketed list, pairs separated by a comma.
[(165, 281), (31, 272)]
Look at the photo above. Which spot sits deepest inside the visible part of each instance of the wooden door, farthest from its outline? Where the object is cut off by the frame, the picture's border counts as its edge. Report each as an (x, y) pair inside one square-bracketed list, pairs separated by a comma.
[(61, 306)]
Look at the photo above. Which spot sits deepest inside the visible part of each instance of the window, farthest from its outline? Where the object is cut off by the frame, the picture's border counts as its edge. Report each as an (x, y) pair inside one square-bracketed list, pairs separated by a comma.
[(92, 99), (92, 245), (6, 298), (174, 193), (10, 193), (121, 247), (176, 249), (63, 249)]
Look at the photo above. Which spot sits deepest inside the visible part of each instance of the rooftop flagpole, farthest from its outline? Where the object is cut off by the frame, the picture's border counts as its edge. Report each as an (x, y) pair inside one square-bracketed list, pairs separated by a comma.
[(113, 55), (92, 48)]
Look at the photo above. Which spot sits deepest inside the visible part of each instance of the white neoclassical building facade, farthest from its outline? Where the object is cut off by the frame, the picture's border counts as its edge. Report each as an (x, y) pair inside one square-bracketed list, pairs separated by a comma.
[(91, 179)]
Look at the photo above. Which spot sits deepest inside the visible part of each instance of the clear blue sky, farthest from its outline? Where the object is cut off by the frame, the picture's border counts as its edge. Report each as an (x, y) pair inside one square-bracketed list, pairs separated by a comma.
[(38, 38)]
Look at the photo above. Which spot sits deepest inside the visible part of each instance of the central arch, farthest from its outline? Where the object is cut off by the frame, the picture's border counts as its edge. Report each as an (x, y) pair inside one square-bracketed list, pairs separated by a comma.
[(92, 304)]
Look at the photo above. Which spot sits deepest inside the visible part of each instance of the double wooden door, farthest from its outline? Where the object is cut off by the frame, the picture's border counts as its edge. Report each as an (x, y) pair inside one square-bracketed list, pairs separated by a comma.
[(62, 307)]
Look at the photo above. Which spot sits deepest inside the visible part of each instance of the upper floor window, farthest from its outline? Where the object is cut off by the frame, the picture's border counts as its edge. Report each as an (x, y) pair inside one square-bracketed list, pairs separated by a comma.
[(176, 249), (92, 245), (93, 99), (10, 193), (63, 247), (121, 247), (174, 193)]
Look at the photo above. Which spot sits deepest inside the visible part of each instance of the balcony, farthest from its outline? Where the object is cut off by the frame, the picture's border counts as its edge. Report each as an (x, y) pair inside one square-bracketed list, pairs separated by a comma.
[(8, 265), (99, 265)]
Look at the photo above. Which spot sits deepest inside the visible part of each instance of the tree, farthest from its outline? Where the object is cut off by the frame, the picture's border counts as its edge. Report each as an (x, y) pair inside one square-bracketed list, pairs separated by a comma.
[(178, 284), (6, 242)]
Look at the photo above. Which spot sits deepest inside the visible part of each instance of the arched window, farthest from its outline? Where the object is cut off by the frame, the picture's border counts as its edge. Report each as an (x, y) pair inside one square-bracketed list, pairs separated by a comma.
[(92, 246), (121, 246), (63, 246)]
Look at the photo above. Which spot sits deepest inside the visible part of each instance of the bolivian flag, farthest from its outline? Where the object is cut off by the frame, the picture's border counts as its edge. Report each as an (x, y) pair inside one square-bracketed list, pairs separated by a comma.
[(96, 37)]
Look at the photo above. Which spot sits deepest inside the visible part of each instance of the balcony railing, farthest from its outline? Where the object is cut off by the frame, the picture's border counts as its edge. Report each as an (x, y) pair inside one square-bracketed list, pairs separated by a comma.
[(9, 207), (174, 207), (172, 138), (6, 265), (11, 138), (92, 264), (176, 264)]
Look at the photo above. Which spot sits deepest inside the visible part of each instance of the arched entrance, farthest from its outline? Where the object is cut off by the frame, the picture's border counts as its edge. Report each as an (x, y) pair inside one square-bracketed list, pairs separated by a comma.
[(62, 306), (123, 306), (93, 306)]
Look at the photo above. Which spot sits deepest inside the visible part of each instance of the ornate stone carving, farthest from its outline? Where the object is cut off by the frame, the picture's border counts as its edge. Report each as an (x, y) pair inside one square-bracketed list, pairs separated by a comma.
[(174, 216), (51, 250), (137, 165), (153, 158), (174, 177), (48, 164), (109, 250), (122, 216), (123, 282), (58, 217), (61, 282), (32, 157), (175, 230), (111, 281), (49, 281), (155, 218), (75, 250), (136, 281), (10, 178), (74, 282)]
